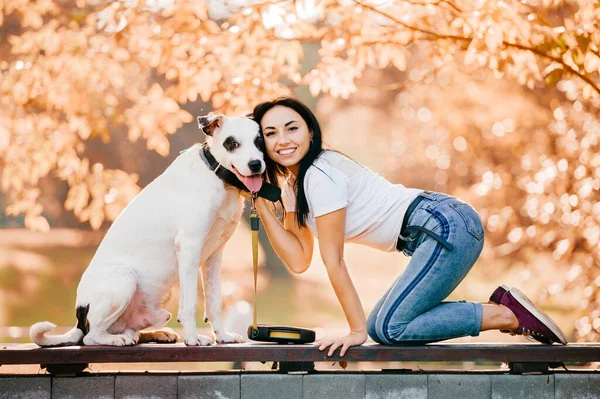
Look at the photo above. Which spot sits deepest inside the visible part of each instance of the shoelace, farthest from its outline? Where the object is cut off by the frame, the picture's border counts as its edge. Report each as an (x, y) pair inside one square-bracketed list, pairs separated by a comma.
[(527, 332), (529, 335), (524, 331)]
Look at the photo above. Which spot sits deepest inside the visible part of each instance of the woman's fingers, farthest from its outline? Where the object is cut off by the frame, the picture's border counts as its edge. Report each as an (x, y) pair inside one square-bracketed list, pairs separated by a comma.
[(344, 343), (324, 344), (344, 349), (335, 345)]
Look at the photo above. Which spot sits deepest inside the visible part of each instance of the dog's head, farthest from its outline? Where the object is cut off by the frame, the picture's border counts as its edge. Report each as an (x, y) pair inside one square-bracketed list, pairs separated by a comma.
[(236, 143)]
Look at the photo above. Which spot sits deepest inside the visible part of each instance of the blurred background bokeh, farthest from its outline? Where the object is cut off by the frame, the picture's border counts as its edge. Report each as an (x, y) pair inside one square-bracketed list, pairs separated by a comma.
[(493, 102)]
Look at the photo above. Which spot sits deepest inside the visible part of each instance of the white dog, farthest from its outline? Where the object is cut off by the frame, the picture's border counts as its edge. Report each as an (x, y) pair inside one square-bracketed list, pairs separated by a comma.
[(174, 226)]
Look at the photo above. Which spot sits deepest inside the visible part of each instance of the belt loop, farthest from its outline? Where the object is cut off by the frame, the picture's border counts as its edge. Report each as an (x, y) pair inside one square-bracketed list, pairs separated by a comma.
[(404, 238)]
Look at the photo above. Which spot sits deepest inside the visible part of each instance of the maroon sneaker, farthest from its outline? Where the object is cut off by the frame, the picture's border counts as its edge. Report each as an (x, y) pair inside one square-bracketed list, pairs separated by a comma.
[(498, 293), (496, 297), (532, 321)]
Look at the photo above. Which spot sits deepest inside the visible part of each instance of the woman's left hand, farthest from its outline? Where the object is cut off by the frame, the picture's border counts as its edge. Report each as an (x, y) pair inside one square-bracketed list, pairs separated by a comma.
[(352, 339)]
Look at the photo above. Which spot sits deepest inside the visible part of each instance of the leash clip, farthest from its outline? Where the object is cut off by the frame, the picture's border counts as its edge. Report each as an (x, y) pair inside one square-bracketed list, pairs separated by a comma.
[(254, 218)]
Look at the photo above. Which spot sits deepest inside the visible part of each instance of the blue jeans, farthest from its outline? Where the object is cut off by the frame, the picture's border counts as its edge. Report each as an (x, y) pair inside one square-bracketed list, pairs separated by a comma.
[(412, 311)]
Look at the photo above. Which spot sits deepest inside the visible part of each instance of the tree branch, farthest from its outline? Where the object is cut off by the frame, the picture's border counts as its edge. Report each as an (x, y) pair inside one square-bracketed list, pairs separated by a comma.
[(396, 20), (437, 36), (434, 3), (583, 76), (405, 83)]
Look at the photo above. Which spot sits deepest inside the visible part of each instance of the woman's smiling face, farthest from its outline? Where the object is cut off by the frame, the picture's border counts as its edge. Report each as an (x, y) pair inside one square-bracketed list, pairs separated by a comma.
[(287, 138)]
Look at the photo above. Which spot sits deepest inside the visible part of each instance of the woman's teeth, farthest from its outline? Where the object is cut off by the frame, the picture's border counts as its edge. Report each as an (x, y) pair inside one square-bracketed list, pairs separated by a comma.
[(287, 152)]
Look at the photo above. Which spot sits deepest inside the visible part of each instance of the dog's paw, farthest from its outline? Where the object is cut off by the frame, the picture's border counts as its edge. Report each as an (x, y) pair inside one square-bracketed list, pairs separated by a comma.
[(119, 340), (229, 338), (166, 337), (198, 340), (109, 339), (129, 340), (134, 335), (159, 336)]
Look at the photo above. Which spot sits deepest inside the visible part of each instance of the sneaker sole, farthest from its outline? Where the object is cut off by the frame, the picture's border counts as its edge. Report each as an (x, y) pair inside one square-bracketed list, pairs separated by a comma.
[(543, 317)]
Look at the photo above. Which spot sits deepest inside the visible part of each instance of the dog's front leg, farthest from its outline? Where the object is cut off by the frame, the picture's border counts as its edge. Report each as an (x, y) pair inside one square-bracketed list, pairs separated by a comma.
[(188, 250), (211, 280)]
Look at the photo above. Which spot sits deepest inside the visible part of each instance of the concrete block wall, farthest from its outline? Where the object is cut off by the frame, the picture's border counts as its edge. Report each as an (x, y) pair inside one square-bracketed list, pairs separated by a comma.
[(338, 385)]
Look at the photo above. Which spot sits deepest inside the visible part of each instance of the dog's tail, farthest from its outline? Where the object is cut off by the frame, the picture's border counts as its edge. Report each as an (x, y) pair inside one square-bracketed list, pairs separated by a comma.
[(38, 331), (74, 336)]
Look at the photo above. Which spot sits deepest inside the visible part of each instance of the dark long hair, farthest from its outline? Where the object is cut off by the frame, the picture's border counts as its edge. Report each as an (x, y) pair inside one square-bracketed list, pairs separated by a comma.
[(275, 170)]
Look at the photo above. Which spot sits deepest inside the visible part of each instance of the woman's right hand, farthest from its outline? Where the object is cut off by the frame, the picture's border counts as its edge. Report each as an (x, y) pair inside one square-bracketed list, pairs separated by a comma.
[(293, 244), (245, 194)]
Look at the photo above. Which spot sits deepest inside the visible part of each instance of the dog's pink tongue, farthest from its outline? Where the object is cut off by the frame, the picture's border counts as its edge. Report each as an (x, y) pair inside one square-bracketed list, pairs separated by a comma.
[(254, 183)]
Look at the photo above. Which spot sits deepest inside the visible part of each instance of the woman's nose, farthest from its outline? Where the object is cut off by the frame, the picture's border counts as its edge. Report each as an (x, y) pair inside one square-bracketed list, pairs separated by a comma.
[(283, 138)]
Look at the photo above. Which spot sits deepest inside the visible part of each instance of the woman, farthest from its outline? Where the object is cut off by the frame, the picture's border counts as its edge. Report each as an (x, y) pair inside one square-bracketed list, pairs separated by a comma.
[(330, 196)]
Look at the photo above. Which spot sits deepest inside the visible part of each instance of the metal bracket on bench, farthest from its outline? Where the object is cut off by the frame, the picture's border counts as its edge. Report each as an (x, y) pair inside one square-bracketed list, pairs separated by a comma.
[(65, 369), (532, 367), (287, 367)]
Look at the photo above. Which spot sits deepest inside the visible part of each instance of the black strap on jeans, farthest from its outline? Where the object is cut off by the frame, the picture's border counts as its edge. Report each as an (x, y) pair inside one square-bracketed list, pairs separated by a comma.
[(436, 237), (405, 231)]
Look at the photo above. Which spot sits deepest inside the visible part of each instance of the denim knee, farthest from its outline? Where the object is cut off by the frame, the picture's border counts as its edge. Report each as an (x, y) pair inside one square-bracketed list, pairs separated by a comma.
[(372, 327), (381, 333)]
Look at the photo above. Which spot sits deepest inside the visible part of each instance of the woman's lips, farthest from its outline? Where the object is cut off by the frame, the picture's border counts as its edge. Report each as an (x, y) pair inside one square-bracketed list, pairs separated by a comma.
[(288, 152)]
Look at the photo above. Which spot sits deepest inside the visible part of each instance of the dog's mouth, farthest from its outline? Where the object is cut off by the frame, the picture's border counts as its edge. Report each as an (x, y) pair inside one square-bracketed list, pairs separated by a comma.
[(253, 183)]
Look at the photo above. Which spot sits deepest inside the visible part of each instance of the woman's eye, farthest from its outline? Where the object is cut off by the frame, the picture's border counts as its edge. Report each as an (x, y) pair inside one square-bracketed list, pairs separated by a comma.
[(293, 128), (269, 133)]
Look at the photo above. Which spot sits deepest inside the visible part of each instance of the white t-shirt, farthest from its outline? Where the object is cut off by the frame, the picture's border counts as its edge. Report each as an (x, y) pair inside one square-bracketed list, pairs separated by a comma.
[(375, 207)]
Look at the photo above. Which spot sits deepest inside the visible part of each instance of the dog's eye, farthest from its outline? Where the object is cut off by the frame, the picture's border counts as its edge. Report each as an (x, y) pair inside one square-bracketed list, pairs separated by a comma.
[(230, 144), (259, 142)]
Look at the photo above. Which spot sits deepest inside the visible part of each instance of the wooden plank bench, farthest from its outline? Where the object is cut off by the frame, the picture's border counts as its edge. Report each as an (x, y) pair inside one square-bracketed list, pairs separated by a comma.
[(520, 357)]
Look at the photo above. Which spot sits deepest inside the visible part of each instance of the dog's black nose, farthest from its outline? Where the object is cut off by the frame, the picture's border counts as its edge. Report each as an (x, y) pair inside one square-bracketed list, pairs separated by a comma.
[(255, 166)]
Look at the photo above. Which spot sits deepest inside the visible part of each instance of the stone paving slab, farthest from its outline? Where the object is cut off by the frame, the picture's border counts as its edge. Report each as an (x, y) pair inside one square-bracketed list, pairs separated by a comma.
[(93, 387), (334, 386), (327, 385), (397, 386), (594, 386), (146, 386), (25, 387), (463, 386), (209, 386), (277, 386), (569, 386), (522, 386)]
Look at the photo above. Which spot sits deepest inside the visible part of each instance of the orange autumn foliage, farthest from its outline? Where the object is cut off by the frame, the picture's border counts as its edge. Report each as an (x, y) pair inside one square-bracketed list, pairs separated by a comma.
[(79, 70)]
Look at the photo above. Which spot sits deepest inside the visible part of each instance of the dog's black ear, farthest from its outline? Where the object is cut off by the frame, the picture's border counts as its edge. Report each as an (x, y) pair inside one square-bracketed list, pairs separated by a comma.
[(210, 123)]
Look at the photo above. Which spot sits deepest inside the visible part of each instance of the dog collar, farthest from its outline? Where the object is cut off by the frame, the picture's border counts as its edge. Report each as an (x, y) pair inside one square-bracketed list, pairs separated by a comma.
[(267, 191)]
